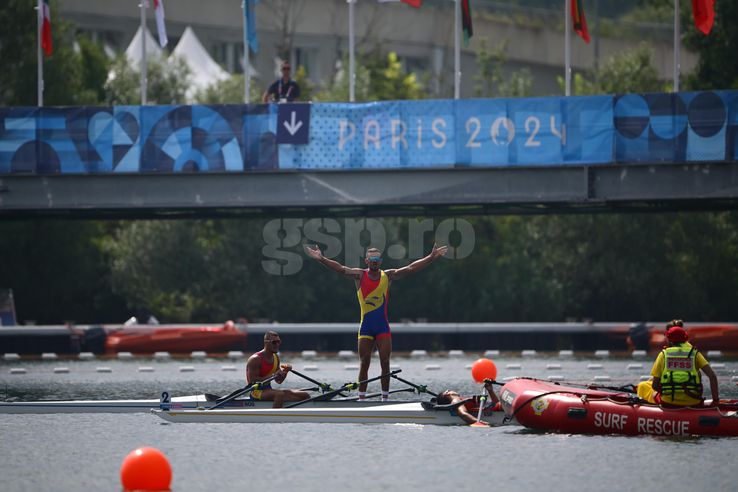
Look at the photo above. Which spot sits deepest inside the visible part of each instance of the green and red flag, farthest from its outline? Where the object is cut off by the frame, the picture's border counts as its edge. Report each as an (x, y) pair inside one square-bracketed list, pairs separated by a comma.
[(578, 20), (703, 12), (466, 20), (46, 28)]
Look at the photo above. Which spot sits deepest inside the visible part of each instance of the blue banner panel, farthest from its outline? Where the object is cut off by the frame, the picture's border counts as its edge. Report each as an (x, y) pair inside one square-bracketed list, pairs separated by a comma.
[(552, 131)]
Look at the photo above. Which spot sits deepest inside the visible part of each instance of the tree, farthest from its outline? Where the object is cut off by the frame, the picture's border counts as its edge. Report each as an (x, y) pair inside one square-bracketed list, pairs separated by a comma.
[(631, 71), (379, 77), (489, 80), (70, 77), (168, 82), (228, 91), (716, 68)]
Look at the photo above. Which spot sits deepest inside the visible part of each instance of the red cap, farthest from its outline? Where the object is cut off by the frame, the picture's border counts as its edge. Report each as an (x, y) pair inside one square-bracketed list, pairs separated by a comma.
[(677, 334)]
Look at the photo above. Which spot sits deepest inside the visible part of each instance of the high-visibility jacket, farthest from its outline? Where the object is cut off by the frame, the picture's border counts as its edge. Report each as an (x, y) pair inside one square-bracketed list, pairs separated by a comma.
[(680, 375)]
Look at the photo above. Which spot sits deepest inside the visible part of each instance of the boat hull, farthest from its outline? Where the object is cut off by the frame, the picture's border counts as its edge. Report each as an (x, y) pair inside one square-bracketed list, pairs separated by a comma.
[(178, 403), (552, 407), (398, 413), (177, 340)]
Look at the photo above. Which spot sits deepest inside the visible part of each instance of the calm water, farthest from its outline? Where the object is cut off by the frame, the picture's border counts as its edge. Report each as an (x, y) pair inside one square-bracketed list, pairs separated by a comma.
[(84, 452)]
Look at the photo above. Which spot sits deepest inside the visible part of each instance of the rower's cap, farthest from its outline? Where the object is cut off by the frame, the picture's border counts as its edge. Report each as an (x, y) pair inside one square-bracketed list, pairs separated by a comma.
[(677, 334)]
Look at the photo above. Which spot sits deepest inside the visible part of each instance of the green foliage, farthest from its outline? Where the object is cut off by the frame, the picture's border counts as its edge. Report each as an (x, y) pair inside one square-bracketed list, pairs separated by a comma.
[(58, 271), (489, 80), (628, 72), (168, 82), (379, 77), (228, 91), (716, 68), (70, 77)]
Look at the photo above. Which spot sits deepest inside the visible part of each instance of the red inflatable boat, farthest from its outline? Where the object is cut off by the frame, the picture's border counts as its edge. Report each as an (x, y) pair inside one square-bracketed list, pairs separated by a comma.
[(554, 407), (147, 339)]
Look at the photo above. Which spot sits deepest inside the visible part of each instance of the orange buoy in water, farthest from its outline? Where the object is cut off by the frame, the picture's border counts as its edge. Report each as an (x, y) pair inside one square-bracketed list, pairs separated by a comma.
[(146, 469), (483, 369)]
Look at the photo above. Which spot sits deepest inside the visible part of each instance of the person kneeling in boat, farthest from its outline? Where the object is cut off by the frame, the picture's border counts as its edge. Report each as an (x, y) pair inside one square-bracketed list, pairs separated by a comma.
[(264, 364), (468, 411), (676, 372)]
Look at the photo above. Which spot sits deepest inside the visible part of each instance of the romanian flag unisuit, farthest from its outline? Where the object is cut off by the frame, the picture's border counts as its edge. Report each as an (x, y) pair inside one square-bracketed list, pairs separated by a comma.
[(578, 20), (46, 28)]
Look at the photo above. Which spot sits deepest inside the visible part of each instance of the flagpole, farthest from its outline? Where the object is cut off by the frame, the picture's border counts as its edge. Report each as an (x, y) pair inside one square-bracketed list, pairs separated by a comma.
[(677, 54), (143, 52), (352, 47), (457, 49), (567, 46), (246, 55), (40, 81)]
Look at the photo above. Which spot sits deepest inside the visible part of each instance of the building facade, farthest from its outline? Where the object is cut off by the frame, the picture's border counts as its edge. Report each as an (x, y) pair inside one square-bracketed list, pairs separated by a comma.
[(314, 34)]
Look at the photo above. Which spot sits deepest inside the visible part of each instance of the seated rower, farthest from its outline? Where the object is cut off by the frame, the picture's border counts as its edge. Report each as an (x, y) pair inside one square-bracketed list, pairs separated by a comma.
[(265, 363), (468, 411), (676, 372)]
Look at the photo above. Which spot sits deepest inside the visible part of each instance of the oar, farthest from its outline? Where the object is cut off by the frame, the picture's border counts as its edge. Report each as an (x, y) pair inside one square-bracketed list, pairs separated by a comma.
[(242, 391), (418, 387), (324, 387), (374, 395), (482, 401), (345, 387)]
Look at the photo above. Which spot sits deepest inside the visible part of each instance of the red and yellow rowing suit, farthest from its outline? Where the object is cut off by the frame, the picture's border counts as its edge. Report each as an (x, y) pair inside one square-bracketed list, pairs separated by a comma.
[(265, 370), (373, 299)]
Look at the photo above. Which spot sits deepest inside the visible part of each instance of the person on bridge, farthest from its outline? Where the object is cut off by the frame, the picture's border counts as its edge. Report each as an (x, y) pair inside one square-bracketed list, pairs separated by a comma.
[(676, 372), (468, 411), (265, 363), (284, 89), (372, 289)]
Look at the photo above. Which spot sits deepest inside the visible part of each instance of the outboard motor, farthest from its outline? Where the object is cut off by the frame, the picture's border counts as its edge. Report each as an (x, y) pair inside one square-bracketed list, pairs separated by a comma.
[(639, 336), (94, 339)]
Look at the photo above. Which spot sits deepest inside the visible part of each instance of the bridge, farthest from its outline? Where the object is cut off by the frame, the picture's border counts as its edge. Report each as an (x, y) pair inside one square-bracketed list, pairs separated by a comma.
[(635, 152)]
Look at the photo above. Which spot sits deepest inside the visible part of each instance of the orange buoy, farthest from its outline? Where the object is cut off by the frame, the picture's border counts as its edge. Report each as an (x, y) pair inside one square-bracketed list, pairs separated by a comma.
[(483, 369), (146, 469)]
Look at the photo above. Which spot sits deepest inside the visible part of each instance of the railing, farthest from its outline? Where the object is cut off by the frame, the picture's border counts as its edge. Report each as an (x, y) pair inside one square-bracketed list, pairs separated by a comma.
[(554, 131)]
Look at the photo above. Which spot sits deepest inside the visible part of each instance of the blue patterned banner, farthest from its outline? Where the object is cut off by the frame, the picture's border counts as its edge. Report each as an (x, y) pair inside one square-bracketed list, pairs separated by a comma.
[(633, 128)]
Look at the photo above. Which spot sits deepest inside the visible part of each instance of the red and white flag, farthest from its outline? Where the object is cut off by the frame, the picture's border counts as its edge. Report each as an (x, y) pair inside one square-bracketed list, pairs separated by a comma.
[(46, 28), (160, 26)]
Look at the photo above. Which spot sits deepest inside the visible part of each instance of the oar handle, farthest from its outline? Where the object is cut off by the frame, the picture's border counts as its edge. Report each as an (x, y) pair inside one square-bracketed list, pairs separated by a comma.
[(235, 394), (345, 387), (324, 387), (420, 388)]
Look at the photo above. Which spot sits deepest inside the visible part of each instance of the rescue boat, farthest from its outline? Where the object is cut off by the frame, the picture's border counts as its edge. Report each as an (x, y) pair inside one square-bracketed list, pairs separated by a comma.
[(145, 339), (554, 407)]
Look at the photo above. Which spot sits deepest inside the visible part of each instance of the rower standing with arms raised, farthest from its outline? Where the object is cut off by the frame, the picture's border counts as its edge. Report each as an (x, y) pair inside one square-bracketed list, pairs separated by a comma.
[(264, 364), (372, 289)]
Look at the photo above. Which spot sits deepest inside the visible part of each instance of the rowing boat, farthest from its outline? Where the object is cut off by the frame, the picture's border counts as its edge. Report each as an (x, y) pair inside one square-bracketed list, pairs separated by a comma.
[(389, 413), (191, 402)]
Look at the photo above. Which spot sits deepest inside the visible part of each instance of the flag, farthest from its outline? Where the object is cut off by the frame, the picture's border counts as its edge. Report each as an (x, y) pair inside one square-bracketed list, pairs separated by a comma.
[(160, 27), (412, 3), (46, 29), (578, 20), (466, 21), (704, 15), (248, 11)]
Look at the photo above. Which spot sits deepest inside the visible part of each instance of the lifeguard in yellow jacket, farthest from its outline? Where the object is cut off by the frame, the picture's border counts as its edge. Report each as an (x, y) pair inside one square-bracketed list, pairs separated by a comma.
[(676, 378)]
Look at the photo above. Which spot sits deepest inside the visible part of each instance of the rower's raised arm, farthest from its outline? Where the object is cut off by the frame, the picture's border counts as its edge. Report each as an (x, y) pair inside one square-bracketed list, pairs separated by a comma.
[(315, 253), (417, 265)]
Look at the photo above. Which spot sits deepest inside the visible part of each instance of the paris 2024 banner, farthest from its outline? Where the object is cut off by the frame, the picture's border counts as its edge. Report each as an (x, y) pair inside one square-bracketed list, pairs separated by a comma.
[(551, 131)]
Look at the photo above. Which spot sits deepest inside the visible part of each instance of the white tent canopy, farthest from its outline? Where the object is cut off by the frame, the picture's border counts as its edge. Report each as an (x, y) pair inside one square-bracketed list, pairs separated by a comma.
[(203, 69), (133, 52)]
